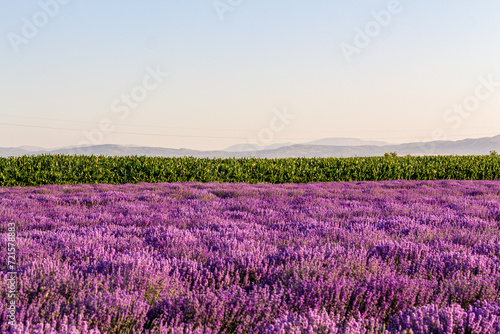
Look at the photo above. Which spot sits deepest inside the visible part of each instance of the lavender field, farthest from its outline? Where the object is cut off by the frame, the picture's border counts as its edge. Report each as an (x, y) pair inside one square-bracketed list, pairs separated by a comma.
[(346, 257)]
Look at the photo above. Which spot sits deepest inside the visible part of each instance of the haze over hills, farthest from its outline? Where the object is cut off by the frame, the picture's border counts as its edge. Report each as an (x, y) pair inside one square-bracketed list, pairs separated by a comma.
[(254, 147), (339, 141), (312, 149)]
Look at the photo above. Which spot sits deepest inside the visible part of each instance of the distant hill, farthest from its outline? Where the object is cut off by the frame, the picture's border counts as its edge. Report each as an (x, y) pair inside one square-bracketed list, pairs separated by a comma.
[(309, 150), (338, 141), (254, 147), (30, 148), (345, 142)]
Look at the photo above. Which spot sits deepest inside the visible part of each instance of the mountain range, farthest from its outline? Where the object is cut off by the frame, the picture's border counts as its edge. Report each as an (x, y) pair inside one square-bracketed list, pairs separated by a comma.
[(326, 147)]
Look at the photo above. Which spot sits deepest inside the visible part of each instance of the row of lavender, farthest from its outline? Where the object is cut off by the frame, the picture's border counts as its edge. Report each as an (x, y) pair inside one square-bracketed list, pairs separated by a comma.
[(365, 257)]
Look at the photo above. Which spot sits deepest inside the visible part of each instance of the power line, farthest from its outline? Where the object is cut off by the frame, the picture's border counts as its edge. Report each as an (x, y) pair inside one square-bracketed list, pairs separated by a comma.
[(113, 132), (239, 130), (223, 137)]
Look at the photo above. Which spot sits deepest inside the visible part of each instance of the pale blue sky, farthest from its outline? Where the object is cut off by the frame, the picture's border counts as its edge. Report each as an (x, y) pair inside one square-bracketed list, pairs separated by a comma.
[(227, 78)]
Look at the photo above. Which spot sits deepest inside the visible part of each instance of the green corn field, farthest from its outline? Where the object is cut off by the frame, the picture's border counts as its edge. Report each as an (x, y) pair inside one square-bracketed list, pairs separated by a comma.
[(66, 169)]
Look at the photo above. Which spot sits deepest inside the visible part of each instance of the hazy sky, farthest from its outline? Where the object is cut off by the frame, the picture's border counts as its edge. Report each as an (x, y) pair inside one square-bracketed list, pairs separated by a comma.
[(93, 71)]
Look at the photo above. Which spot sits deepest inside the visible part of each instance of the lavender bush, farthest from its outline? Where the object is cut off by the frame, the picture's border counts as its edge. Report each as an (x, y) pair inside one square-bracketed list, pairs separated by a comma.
[(359, 257)]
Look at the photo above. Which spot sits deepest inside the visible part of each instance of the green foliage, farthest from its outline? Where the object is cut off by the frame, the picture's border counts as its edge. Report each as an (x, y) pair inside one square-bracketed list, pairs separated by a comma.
[(65, 169)]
